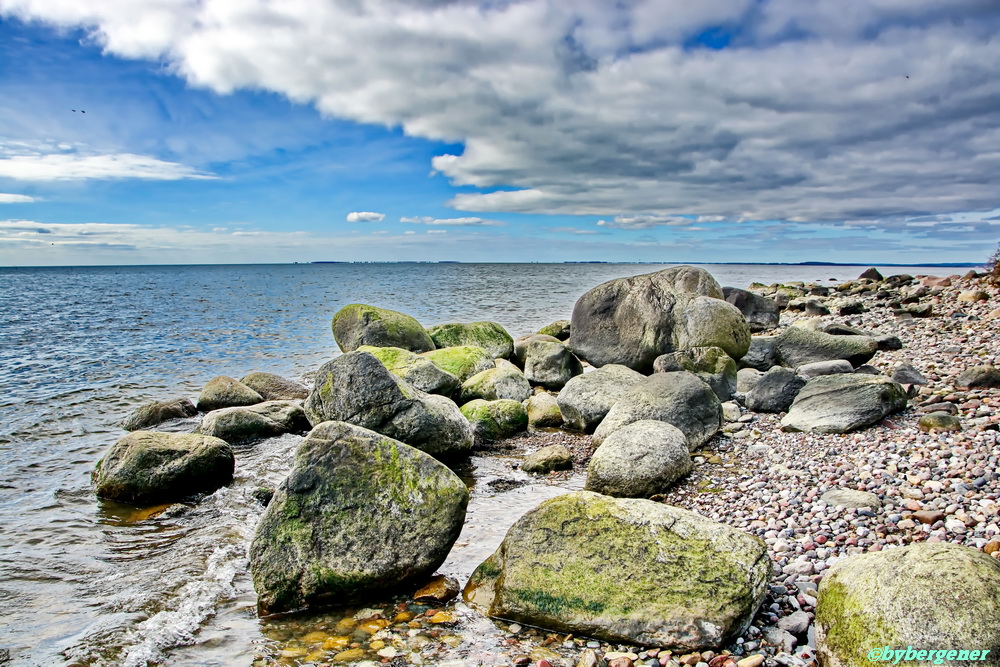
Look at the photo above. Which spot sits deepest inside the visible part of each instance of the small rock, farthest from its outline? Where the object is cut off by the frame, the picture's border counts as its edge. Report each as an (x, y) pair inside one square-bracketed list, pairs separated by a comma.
[(439, 589), (751, 661), (796, 623), (547, 459)]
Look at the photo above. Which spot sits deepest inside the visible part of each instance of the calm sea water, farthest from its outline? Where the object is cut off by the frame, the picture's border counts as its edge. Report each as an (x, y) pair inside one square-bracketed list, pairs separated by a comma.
[(86, 582)]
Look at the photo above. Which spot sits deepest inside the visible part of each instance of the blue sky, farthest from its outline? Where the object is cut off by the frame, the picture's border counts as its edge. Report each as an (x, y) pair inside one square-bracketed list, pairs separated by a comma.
[(727, 130)]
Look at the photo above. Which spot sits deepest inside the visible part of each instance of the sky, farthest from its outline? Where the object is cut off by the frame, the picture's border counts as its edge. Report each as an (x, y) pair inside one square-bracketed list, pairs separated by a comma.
[(231, 131)]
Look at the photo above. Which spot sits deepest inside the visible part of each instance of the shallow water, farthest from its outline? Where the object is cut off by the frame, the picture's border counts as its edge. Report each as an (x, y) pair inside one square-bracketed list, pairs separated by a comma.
[(88, 582)]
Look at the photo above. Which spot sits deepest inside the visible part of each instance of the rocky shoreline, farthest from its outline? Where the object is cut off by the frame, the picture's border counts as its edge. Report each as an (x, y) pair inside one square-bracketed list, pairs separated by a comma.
[(912, 473)]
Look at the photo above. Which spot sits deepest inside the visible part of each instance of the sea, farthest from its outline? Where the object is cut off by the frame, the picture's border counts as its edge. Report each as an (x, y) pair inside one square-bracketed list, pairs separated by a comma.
[(89, 582)]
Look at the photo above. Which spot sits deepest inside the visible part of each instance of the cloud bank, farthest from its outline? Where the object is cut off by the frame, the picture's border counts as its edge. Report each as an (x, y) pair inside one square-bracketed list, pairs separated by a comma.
[(27, 162), (6, 198), (733, 109)]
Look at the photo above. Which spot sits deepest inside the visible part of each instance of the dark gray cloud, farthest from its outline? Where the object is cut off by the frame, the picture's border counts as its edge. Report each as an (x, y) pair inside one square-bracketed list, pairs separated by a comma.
[(816, 111)]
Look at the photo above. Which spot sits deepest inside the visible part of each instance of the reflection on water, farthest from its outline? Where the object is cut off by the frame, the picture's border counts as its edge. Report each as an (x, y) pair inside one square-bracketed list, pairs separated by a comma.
[(86, 582)]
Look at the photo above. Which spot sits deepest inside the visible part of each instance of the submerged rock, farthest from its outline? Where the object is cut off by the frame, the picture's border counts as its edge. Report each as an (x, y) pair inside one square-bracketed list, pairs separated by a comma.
[(679, 398), (490, 336), (358, 389), (938, 597), (358, 515), (492, 420), (586, 399), (158, 412), (624, 570), (462, 361), (359, 324), (419, 372), (264, 420), (147, 467), (639, 460), (632, 321), (842, 403), (273, 387), (226, 392)]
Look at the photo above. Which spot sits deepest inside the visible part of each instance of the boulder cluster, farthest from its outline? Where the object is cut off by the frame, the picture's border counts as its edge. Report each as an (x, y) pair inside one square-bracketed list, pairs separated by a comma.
[(653, 366)]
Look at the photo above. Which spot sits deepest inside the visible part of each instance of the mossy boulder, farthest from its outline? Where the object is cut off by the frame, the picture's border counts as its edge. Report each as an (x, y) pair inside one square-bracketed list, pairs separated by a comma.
[(255, 422), (711, 364), (493, 420), (929, 596), (939, 421), (158, 412), (586, 399), (503, 381), (358, 324), (798, 345), (490, 336), (359, 515), (843, 403), (462, 361), (226, 392), (543, 411), (639, 460), (624, 570), (679, 398), (273, 387), (550, 365), (419, 372), (147, 467), (632, 321), (358, 389), (559, 329), (548, 459)]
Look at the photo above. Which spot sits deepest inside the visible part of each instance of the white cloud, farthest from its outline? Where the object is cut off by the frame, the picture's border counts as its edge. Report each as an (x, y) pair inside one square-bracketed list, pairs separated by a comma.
[(437, 231), (365, 216), (813, 112), (29, 162), (455, 222), (6, 198)]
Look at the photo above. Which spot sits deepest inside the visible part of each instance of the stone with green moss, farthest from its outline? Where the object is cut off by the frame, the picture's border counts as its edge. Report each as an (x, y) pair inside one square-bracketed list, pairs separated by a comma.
[(931, 596), (356, 388), (798, 345), (493, 420), (420, 372), (490, 336), (624, 570), (358, 324), (939, 421), (462, 361), (543, 411), (504, 381), (559, 329), (226, 392), (711, 364), (273, 387), (359, 515), (148, 467), (255, 422)]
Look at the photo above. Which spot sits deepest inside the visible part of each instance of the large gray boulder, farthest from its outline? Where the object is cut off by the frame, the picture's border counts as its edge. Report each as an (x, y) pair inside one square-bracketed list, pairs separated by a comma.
[(639, 460), (586, 399), (358, 324), (760, 312), (550, 365), (624, 570), (419, 372), (490, 336), (711, 364), (679, 398), (632, 321), (356, 388), (503, 381), (146, 467), (797, 346), (255, 422), (521, 345), (226, 392), (273, 387), (762, 355), (943, 598), (158, 412), (774, 391), (842, 403), (360, 514)]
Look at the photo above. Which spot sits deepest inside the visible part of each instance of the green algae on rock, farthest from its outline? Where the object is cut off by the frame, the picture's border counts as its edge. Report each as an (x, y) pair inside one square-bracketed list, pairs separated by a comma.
[(490, 336), (504, 381), (226, 392), (358, 324), (359, 514), (624, 570), (928, 596), (418, 371), (148, 467), (462, 361), (492, 420), (254, 422)]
